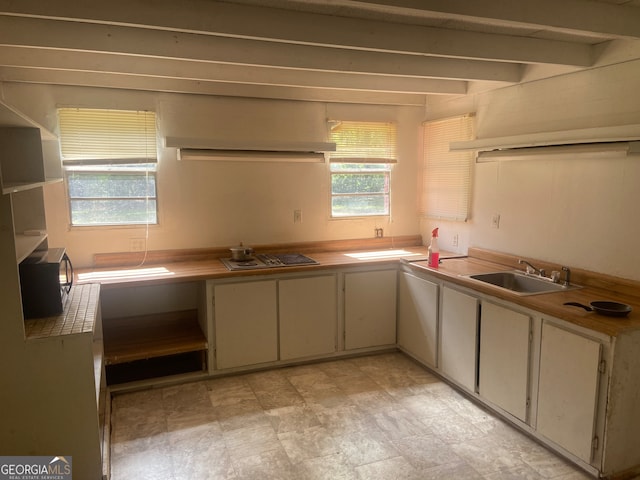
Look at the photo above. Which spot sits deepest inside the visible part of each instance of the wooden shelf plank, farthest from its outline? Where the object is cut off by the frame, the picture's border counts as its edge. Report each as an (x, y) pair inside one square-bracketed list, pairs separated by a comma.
[(149, 336), (26, 244)]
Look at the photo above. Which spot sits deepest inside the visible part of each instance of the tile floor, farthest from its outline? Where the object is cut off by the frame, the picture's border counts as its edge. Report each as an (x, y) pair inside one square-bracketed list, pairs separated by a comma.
[(374, 417)]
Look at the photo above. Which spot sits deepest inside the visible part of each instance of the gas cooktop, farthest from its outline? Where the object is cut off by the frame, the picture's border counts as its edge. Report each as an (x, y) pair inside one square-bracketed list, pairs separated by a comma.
[(268, 260)]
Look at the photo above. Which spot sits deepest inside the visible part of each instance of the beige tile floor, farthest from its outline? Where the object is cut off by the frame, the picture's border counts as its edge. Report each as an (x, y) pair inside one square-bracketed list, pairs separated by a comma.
[(374, 417)]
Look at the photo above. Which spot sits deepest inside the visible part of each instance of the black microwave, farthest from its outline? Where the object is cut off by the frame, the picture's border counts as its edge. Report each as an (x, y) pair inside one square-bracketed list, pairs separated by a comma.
[(46, 278)]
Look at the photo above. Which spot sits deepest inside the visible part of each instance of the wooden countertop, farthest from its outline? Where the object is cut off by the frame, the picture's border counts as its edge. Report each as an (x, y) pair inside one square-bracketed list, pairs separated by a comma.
[(452, 269), (213, 268)]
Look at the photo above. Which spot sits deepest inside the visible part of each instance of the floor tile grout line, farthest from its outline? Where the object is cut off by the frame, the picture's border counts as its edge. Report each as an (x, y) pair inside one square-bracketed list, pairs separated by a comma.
[(370, 369)]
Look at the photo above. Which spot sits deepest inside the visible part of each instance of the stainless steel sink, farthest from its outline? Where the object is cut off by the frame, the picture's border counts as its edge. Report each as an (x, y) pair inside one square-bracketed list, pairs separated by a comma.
[(521, 283)]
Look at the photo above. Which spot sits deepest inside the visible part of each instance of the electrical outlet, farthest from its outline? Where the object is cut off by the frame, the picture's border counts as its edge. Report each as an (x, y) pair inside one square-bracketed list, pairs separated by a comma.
[(454, 242), (297, 216), (137, 244), (495, 220)]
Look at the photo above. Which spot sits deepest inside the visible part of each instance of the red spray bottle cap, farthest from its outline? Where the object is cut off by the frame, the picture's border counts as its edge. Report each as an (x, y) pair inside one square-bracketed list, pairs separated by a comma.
[(434, 232)]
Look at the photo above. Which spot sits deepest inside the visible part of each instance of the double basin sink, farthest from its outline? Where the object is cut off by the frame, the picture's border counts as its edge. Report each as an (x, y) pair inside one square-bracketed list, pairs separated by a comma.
[(521, 283)]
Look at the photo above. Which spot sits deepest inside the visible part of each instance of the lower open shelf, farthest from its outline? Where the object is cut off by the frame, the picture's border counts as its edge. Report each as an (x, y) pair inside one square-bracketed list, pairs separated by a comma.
[(149, 346), (155, 367)]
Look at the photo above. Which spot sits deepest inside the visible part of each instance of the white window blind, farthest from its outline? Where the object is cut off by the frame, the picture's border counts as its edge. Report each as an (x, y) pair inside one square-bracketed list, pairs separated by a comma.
[(446, 180), (364, 142), (107, 136)]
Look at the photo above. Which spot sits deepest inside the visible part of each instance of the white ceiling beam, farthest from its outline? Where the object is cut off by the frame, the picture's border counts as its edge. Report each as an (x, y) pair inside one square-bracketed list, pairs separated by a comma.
[(143, 83), (218, 18), (84, 62), (72, 36), (584, 17)]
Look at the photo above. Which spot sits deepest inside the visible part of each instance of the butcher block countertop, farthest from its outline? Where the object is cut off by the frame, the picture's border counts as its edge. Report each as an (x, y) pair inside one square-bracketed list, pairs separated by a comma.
[(202, 264), (595, 287), (165, 268)]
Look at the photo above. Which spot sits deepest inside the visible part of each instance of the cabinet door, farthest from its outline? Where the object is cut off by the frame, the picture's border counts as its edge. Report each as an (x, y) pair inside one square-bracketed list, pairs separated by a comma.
[(568, 389), (418, 317), (504, 358), (459, 337), (370, 309), (246, 323), (308, 316)]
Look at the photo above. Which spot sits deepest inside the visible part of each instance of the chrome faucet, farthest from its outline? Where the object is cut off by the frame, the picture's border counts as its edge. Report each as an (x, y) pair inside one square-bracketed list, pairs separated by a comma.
[(567, 276), (531, 269)]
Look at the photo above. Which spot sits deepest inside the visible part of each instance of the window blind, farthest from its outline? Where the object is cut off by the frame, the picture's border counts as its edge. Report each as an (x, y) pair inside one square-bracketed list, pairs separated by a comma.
[(364, 142), (446, 180), (100, 136)]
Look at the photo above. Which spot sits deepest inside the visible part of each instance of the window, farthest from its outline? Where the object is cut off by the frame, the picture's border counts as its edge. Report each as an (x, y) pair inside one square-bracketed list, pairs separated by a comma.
[(361, 168), (446, 180), (110, 158)]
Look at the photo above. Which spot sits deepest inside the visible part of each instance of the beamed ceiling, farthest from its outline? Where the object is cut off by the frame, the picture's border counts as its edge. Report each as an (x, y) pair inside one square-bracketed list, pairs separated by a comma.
[(384, 51)]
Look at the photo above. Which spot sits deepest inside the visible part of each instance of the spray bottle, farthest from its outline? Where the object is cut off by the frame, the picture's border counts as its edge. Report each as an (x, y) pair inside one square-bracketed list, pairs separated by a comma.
[(434, 251)]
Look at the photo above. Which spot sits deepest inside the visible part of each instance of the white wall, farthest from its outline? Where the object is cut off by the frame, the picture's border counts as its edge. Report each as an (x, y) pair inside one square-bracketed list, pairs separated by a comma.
[(213, 204), (580, 213), (576, 212)]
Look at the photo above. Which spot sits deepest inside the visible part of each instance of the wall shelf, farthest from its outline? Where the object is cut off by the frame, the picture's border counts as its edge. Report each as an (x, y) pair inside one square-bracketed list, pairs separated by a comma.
[(25, 244), (14, 187), (21, 159), (23, 186), (12, 117), (59, 356)]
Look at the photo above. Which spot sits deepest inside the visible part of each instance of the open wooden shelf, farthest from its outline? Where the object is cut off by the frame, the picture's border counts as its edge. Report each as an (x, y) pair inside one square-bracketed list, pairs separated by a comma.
[(150, 336), (12, 117)]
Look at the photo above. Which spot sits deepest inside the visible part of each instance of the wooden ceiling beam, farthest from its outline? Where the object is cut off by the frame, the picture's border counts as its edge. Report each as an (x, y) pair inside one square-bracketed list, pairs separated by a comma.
[(163, 68), (196, 87), (287, 26), (580, 17), (80, 37)]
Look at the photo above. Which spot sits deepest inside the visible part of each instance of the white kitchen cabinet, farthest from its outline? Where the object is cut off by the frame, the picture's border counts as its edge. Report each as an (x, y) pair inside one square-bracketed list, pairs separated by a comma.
[(370, 308), (246, 323), (568, 389), (308, 316), (504, 358), (418, 317), (459, 326)]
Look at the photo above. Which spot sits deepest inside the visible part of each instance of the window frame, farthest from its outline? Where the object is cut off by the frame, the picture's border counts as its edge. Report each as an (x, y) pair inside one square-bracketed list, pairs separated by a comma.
[(125, 138), (353, 151), (385, 171), (148, 172)]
